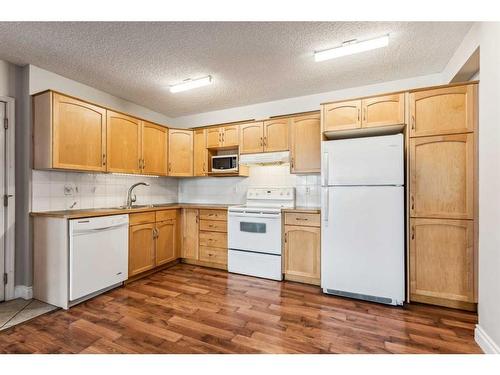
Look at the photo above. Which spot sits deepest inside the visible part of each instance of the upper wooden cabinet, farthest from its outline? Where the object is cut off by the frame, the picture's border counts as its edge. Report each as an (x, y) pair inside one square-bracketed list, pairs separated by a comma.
[(276, 135), (200, 157), (342, 115), (447, 110), (154, 149), (223, 136), (214, 137), (180, 152), (123, 141), (251, 138), (305, 144), (383, 110), (442, 176), (68, 133)]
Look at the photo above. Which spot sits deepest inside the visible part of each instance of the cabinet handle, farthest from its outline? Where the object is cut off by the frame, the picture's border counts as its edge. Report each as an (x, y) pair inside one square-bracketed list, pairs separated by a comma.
[(291, 162), (265, 141), (203, 166), (286, 237), (103, 159), (301, 218), (261, 142), (413, 122), (169, 166), (412, 232), (364, 114), (143, 164), (412, 203), (359, 113), (223, 137)]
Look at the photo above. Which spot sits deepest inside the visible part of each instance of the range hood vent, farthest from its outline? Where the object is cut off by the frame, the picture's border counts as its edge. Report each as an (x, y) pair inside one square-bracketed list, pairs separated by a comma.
[(265, 158)]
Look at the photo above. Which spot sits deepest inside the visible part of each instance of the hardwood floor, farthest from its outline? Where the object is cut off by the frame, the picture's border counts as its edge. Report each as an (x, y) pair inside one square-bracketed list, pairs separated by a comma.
[(189, 309)]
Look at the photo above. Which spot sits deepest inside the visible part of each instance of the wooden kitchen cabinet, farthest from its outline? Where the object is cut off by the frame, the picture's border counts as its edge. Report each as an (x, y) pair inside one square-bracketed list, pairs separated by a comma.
[(154, 149), (200, 154), (213, 238), (442, 262), (251, 138), (442, 176), (275, 133), (166, 246), (342, 115), (305, 144), (223, 136), (180, 152), (214, 138), (383, 110), (68, 133), (446, 110), (141, 248), (190, 224), (123, 140)]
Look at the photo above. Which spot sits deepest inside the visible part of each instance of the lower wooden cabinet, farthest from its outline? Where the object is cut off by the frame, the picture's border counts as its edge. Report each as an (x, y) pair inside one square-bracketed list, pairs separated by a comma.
[(302, 252), (442, 262), (141, 255), (165, 242), (190, 223)]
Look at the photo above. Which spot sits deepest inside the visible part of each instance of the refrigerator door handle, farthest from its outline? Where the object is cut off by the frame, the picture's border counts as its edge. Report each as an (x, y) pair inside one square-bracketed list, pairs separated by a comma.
[(325, 206), (324, 174)]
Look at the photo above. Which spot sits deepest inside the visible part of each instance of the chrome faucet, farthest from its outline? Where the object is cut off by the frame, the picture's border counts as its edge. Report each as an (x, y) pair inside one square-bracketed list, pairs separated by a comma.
[(131, 198)]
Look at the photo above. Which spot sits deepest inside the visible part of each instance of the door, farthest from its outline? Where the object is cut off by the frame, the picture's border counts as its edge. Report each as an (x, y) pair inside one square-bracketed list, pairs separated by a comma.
[(190, 222), (276, 135), (3, 191), (441, 260), (342, 116), (362, 241), (180, 152), (123, 143), (165, 242), (442, 176), (305, 144), (383, 110), (214, 137), (364, 161), (230, 136), (79, 135), (448, 110), (302, 252), (154, 149), (251, 138), (200, 157), (141, 248)]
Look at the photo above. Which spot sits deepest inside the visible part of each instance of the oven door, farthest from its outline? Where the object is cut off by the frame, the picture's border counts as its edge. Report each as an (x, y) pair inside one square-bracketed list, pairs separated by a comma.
[(259, 233)]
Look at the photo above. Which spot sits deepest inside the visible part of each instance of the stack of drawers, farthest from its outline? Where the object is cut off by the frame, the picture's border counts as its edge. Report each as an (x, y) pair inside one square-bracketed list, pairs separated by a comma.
[(213, 237)]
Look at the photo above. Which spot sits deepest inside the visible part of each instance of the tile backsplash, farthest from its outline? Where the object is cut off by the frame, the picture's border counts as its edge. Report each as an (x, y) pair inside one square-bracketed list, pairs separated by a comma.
[(52, 191)]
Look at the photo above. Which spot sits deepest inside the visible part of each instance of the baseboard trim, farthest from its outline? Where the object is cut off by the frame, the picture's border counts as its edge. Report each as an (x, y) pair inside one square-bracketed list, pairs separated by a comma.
[(23, 291), (485, 342)]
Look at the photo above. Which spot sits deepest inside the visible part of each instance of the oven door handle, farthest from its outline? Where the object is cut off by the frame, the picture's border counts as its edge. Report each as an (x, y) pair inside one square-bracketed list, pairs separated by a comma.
[(256, 216)]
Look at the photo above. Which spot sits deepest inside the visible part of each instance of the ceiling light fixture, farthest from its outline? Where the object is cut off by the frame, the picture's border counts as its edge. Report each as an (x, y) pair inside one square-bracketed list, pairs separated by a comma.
[(189, 84), (351, 47)]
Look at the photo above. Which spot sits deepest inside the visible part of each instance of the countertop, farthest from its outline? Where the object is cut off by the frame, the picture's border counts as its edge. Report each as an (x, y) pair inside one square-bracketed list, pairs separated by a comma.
[(94, 212)]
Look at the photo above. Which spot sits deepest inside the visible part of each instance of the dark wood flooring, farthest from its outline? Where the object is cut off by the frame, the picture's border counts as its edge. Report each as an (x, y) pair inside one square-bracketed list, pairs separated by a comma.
[(188, 309)]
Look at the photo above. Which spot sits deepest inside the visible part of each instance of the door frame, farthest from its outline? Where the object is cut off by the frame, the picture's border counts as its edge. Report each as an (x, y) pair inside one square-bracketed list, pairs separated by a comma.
[(9, 212)]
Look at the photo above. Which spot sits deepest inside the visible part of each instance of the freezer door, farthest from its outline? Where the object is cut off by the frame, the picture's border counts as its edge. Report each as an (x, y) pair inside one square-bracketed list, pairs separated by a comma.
[(363, 161), (362, 241)]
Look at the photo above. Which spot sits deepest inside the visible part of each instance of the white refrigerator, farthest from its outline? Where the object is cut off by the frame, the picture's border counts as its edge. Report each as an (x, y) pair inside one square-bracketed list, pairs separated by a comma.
[(362, 213)]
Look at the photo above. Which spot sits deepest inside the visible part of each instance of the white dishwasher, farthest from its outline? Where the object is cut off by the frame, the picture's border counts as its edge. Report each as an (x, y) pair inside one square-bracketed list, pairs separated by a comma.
[(98, 254)]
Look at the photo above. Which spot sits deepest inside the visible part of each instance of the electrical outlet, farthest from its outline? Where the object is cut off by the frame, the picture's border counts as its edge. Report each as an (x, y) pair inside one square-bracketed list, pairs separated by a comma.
[(68, 190)]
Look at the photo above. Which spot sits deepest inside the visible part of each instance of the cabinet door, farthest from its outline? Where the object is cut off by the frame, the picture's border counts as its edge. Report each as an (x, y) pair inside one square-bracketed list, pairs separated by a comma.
[(251, 138), (214, 137), (165, 242), (442, 177), (154, 149), (123, 143), (141, 248), (276, 135), (200, 157), (230, 136), (383, 110), (441, 261), (448, 110), (342, 116), (305, 144), (302, 252), (180, 152), (79, 135), (190, 241)]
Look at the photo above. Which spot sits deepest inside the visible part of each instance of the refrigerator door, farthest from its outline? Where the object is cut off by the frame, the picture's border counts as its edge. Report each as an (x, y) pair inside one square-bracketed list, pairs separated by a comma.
[(362, 242), (363, 161)]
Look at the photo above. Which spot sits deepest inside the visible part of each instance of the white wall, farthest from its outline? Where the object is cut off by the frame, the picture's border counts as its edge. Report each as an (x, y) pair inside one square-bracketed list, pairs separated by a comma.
[(8, 78)]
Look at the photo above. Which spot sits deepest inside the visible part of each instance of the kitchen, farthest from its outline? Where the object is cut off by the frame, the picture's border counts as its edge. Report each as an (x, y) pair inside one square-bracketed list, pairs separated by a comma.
[(344, 221)]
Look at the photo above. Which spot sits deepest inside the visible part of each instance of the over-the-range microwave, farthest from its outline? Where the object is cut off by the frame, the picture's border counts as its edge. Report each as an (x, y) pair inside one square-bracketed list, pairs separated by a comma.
[(224, 163)]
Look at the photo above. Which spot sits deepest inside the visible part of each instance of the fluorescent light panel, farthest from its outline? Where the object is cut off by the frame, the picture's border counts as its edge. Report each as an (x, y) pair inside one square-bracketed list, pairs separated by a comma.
[(191, 84), (351, 48)]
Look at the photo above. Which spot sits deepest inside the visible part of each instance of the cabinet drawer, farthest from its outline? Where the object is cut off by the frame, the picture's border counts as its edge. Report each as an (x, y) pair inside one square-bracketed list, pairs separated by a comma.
[(213, 226), (141, 218), (213, 215), (308, 220), (166, 215), (213, 239), (213, 254)]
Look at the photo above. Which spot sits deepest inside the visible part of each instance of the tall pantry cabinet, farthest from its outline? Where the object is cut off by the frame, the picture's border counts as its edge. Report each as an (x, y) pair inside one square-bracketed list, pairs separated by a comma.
[(442, 196)]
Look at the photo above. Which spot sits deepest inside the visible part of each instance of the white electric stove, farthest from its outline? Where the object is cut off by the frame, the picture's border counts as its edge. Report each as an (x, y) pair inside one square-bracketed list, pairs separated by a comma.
[(254, 232)]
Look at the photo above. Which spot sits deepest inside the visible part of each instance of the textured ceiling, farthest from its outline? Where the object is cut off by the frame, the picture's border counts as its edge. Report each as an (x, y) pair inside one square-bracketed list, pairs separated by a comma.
[(251, 62)]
